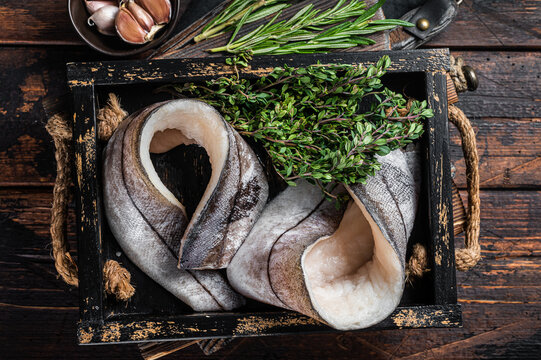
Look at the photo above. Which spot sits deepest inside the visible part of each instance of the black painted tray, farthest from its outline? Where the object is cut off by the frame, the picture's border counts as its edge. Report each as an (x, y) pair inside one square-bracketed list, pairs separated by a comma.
[(152, 313)]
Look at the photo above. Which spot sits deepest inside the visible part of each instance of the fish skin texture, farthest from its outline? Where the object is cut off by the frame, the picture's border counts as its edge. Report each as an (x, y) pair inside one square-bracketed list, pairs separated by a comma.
[(168, 220), (145, 247), (248, 271), (268, 266), (216, 233), (250, 200), (202, 241), (285, 268), (391, 197)]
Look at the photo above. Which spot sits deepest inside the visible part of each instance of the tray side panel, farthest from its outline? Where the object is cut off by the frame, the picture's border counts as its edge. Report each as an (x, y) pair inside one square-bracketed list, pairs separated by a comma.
[(87, 203), (255, 324), (177, 70), (439, 192)]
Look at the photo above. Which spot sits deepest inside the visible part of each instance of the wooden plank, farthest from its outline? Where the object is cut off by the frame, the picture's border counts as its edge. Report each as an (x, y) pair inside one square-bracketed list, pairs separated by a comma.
[(489, 333), (509, 152), (509, 85), (493, 331), (27, 76), (185, 70), (29, 22), (87, 188), (34, 332), (512, 215), (493, 23), (440, 214), (217, 325), (159, 349)]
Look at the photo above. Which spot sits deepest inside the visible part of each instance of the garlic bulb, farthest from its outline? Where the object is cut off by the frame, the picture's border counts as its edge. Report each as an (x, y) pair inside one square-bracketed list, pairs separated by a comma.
[(104, 19), (138, 21)]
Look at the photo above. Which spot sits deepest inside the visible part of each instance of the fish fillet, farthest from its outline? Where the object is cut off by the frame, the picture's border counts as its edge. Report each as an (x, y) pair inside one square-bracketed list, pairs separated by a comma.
[(345, 266)]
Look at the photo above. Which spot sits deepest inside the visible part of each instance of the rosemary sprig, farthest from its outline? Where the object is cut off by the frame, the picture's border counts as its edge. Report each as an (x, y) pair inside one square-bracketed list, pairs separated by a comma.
[(227, 19), (310, 30), (324, 123)]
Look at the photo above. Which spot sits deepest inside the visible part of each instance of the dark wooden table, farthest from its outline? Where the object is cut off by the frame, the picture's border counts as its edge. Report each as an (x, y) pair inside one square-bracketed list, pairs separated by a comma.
[(501, 297)]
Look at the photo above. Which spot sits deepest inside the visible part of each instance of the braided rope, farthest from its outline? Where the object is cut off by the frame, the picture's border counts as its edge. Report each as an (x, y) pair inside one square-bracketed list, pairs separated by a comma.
[(469, 256), (457, 74), (116, 278), (59, 129)]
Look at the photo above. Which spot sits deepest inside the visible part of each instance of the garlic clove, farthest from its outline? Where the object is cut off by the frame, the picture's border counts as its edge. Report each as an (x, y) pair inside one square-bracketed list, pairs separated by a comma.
[(160, 10), (143, 18), (104, 19), (94, 5), (153, 31), (129, 29)]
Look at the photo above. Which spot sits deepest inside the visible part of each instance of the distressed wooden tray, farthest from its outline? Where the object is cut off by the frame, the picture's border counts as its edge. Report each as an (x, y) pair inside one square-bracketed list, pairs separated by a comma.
[(154, 314)]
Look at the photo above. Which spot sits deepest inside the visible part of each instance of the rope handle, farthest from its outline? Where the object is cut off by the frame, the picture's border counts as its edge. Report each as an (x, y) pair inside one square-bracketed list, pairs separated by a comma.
[(467, 257), (60, 131), (116, 278)]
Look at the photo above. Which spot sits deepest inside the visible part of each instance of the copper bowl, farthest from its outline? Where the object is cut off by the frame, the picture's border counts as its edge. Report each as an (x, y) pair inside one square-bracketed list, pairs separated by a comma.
[(112, 45)]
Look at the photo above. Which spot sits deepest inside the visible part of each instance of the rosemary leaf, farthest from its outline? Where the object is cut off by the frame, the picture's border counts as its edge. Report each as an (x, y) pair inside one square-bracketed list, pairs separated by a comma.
[(309, 30)]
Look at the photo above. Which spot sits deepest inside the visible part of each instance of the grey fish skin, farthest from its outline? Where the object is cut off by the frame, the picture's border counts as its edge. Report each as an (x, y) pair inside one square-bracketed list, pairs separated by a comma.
[(214, 235), (249, 270), (285, 265), (169, 221), (391, 197), (204, 238), (249, 201), (136, 232)]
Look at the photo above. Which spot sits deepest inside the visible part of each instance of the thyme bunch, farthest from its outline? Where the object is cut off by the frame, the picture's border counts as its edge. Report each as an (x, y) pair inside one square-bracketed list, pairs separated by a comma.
[(323, 123), (310, 30)]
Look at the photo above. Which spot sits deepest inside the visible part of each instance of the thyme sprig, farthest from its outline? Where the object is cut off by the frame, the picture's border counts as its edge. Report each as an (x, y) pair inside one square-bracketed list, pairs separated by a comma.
[(323, 123), (310, 30)]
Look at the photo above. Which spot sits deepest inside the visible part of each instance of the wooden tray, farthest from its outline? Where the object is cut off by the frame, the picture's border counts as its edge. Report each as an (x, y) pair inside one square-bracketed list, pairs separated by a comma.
[(154, 314)]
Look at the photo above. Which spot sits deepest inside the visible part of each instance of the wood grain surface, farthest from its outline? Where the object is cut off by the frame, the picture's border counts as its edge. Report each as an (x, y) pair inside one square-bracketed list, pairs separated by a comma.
[(501, 297)]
